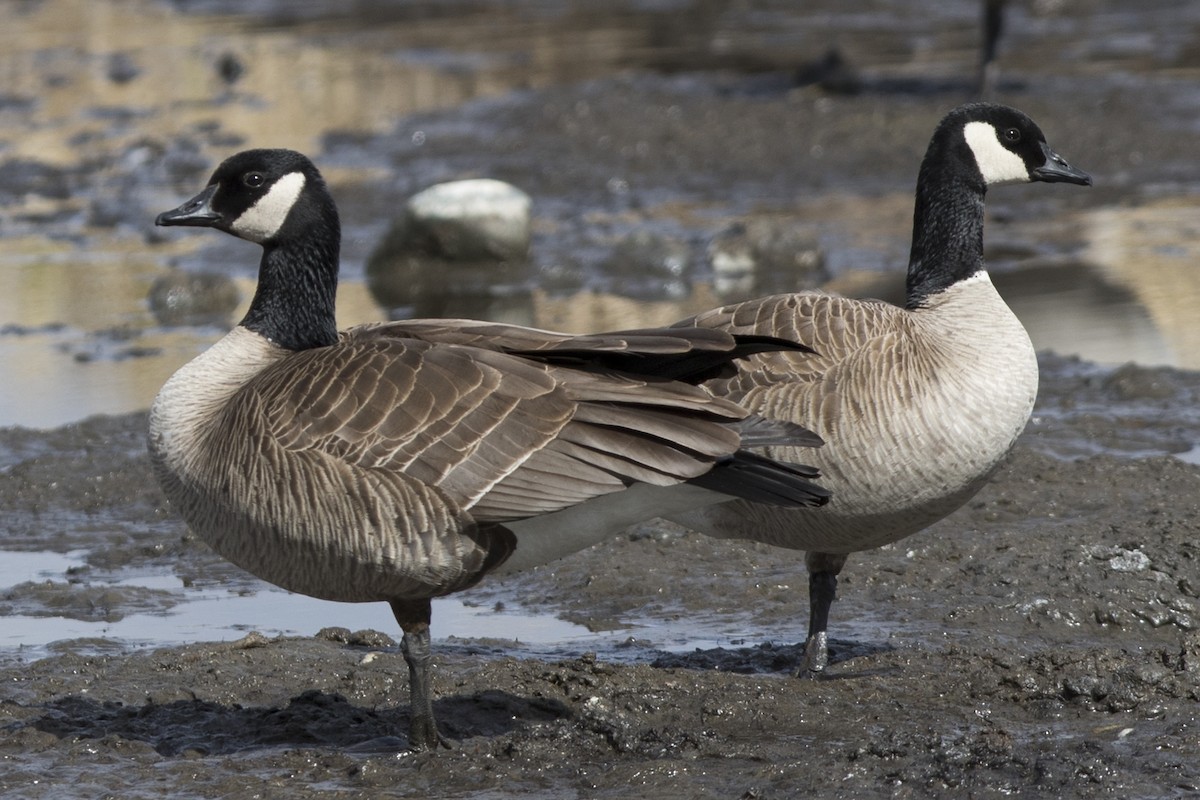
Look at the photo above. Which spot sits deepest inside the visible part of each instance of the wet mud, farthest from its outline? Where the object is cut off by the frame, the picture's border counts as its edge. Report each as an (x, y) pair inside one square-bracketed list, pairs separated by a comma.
[(1042, 641)]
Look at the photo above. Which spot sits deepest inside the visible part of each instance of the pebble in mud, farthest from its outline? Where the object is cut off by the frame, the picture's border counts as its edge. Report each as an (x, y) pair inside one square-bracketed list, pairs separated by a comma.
[(193, 298), (766, 256)]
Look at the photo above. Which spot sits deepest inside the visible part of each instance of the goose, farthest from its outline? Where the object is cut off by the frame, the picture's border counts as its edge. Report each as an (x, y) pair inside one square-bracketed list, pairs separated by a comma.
[(403, 461), (918, 405)]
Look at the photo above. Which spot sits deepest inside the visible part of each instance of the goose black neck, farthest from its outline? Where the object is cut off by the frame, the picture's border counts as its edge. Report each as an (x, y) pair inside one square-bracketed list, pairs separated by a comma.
[(297, 286), (947, 241)]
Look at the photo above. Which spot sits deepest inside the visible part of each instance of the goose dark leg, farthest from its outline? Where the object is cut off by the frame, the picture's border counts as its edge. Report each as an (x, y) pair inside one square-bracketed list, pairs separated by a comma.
[(823, 569), (993, 26), (413, 616)]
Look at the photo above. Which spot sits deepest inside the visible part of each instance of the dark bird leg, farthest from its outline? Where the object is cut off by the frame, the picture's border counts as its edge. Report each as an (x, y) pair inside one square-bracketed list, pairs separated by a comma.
[(993, 27), (823, 569), (413, 616)]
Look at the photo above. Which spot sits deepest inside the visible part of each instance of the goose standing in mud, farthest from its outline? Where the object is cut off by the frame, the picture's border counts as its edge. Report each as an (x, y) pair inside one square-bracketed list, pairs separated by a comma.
[(400, 462), (918, 405)]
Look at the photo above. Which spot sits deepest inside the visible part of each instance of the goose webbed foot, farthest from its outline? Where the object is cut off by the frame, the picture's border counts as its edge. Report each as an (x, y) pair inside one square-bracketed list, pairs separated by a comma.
[(823, 569), (423, 734)]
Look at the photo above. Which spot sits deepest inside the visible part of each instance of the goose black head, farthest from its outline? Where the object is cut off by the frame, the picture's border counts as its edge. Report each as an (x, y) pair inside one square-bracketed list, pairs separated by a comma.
[(1005, 146), (260, 196), (974, 147), (277, 199)]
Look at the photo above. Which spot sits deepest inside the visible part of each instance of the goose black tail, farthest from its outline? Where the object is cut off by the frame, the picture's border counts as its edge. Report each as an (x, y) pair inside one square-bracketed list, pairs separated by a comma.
[(753, 477), (759, 431), (696, 365), (699, 366)]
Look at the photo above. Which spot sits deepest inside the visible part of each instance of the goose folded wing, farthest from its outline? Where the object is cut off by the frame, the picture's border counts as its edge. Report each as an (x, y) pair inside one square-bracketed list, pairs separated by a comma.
[(502, 437), (835, 327), (520, 339), (691, 354)]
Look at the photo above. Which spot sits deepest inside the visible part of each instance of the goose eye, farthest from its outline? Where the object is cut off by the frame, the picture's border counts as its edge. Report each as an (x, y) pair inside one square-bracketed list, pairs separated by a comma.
[(254, 179), (1012, 135)]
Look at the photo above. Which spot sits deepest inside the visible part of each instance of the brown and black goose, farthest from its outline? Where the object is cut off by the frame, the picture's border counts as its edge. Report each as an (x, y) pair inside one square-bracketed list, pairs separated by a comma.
[(918, 405), (400, 462)]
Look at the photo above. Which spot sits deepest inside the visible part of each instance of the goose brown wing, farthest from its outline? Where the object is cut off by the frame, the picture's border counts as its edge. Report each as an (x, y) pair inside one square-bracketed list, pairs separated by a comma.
[(521, 339), (838, 330), (693, 354), (501, 437)]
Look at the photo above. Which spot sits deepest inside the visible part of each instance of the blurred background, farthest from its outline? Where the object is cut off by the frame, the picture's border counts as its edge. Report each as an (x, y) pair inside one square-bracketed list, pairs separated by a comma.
[(661, 156)]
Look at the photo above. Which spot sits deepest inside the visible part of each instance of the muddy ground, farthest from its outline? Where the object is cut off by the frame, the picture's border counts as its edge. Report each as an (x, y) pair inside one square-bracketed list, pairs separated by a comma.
[(1042, 641)]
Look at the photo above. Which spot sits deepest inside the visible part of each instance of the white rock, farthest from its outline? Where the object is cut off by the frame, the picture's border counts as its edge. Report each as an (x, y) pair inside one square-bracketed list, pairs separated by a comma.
[(472, 219)]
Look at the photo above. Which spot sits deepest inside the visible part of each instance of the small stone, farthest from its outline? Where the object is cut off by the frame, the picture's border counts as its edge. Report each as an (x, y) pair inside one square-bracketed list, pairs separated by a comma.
[(250, 641), (650, 266), (1129, 561), (1134, 382), (334, 633), (230, 68), (766, 256), (370, 638), (471, 220), (122, 68), (193, 298), (460, 249)]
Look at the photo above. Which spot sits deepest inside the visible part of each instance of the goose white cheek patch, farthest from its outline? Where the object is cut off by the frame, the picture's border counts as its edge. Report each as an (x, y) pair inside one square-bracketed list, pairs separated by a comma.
[(997, 163), (263, 219)]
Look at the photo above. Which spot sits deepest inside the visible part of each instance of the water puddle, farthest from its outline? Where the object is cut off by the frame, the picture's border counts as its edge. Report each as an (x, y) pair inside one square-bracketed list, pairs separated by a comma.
[(215, 614), (220, 615)]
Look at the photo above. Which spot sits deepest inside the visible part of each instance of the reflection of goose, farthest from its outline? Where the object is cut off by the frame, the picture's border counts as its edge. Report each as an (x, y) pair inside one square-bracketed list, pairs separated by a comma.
[(1151, 251), (401, 462), (918, 404)]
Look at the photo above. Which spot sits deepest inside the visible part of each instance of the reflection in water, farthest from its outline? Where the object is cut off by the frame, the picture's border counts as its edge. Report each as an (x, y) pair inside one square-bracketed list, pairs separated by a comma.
[(217, 614), (89, 63), (76, 65), (1074, 309), (1153, 251), (110, 359), (88, 83), (191, 613), (1068, 307), (1133, 299)]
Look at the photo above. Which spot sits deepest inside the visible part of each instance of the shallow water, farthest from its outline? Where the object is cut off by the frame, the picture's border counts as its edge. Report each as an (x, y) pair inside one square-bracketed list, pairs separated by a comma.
[(95, 102), (215, 614), (65, 360), (1112, 284)]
